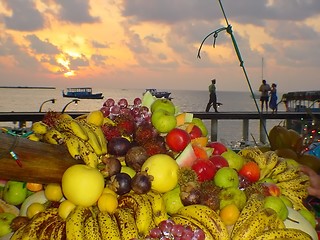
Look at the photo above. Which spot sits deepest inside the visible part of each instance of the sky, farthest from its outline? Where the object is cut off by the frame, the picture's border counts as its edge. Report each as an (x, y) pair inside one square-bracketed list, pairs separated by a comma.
[(138, 44)]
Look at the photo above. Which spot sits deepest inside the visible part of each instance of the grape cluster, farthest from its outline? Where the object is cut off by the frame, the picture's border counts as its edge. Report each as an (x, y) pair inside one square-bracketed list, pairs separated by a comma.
[(112, 109), (168, 230)]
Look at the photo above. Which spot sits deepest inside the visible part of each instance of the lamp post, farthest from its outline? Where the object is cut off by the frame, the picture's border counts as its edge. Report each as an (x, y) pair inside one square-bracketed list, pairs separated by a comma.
[(50, 100), (65, 107)]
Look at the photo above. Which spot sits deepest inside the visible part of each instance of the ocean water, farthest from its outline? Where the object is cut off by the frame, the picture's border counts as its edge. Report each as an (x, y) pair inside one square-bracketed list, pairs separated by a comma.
[(229, 131)]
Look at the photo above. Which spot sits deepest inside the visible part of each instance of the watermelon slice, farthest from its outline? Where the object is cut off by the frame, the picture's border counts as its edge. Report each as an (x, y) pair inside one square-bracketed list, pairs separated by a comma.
[(186, 157)]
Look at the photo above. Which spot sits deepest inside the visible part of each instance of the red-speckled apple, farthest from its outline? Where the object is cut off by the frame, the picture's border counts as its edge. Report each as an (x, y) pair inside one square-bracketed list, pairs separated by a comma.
[(82, 184), (195, 132), (177, 139), (163, 121), (218, 147), (226, 177), (219, 161)]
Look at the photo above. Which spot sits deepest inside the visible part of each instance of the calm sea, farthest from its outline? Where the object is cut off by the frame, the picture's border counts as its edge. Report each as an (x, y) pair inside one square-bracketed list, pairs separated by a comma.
[(229, 131)]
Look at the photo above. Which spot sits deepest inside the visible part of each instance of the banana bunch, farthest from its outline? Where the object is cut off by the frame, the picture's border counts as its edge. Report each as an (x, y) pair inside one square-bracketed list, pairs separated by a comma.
[(292, 182), (44, 225), (203, 217)]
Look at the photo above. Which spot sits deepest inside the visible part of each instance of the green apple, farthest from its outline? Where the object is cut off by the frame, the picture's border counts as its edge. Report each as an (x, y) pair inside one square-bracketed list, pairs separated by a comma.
[(164, 104), (15, 192), (235, 161), (200, 124), (226, 177), (232, 195), (164, 170), (309, 216), (172, 200), (82, 184), (163, 121), (5, 221), (286, 201), (278, 205)]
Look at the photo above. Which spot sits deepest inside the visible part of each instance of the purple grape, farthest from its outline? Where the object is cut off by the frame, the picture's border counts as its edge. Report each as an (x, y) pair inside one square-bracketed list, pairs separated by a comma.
[(123, 103), (166, 226), (155, 233), (137, 101), (198, 234), (125, 111), (105, 111), (115, 110), (177, 230), (135, 111), (109, 102)]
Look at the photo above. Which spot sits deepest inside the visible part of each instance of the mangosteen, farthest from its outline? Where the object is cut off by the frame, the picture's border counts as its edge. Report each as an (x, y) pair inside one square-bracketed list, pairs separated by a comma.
[(120, 183), (118, 146), (109, 166), (135, 157), (141, 182)]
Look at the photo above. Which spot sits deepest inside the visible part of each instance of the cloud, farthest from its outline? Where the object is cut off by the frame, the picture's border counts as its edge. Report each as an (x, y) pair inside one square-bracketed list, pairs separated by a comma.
[(24, 17), (42, 47), (76, 11)]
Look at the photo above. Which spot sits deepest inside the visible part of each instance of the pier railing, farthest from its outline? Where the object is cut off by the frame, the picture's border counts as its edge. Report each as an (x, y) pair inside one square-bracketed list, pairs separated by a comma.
[(23, 117)]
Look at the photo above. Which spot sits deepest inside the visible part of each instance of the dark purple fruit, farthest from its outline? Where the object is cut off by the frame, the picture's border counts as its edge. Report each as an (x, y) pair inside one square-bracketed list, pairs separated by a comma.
[(120, 183), (109, 166), (141, 182), (118, 146), (135, 157)]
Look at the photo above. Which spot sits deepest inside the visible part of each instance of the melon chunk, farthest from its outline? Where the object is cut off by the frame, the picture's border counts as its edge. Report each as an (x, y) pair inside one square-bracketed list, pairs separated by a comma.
[(186, 157)]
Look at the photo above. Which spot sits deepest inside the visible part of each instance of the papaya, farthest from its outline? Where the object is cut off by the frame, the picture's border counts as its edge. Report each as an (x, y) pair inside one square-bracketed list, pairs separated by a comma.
[(279, 138), (310, 161), (286, 153)]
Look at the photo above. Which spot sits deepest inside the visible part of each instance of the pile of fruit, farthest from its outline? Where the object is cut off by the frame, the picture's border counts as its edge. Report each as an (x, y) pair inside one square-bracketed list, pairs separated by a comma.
[(148, 171)]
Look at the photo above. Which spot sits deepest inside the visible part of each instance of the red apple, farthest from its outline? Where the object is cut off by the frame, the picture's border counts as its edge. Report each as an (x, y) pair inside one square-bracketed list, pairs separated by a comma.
[(219, 161), (177, 139), (204, 169), (251, 171), (273, 189), (218, 148), (195, 132)]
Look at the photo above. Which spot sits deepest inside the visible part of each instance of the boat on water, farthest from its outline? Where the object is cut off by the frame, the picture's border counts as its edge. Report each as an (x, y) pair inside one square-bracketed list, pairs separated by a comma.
[(82, 93), (158, 94), (302, 101)]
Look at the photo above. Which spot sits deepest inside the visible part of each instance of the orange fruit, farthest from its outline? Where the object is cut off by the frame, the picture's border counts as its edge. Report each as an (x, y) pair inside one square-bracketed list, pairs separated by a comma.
[(229, 214), (107, 202), (202, 141), (34, 187), (199, 151)]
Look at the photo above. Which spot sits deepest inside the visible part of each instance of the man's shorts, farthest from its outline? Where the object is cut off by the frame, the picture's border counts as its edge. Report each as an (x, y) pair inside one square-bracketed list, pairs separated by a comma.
[(264, 98)]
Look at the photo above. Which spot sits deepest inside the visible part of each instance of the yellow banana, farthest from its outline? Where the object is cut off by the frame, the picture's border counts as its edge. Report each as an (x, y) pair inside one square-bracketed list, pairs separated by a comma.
[(75, 222), (35, 137), (92, 138), (126, 223), (207, 217), (39, 128), (276, 223), (100, 136), (142, 211), (17, 235), (72, 143), (272, 160), (255, 225), (59, 231), (280, 167), (298, 183), (254, 203), (73, 126), (108, 227), (284, 233), (255, 154), (287, 175), (45, 231), (53, 136), (37, 222), (296, 197), (91, 228), (159, 212), (193, 223), (87, 154)]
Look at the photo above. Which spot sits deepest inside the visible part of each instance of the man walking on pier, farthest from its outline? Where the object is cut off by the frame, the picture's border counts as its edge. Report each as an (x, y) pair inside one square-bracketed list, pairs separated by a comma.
[(213, 96)]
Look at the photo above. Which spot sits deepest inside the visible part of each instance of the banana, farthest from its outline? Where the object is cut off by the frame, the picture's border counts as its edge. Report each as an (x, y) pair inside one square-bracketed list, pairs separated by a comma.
[(59, 231), (73, 126), (284, 233), (46, 231), (272, 160), (35, 137), (108, 227), (39, 128), (255, 154), (17, 235), (287, 175), (207, 217), (142, 211), (298, 183), (280, 167), (72, 143), (53, 136), (126, 222), (193, 223), (296, 197), (75, 222), (91, 228), (254, 203), (37, 222), (276, 223), (101, 138), (92, 138), (159, 212), (255, 225), (87, 154)]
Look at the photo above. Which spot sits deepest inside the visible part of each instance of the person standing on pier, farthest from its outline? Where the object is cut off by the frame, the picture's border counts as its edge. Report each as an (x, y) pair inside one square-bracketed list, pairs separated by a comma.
[(264, 97), (213, 96), (273, 98)]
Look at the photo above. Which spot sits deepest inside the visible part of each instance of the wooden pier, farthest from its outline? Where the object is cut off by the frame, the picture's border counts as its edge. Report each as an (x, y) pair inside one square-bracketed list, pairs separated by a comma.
[(23, 117)]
